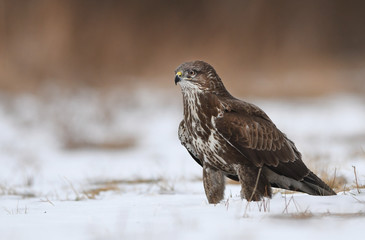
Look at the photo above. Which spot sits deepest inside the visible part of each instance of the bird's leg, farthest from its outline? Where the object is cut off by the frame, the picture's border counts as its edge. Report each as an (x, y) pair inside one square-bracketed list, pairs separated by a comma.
[(254, 185), (214, 184)]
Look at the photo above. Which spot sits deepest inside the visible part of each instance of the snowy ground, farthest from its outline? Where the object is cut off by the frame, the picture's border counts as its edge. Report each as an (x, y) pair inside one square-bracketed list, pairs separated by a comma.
[(109, 166)]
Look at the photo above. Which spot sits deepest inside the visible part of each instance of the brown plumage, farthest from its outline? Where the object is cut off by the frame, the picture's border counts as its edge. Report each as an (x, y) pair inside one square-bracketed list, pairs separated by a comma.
[(233, 138)]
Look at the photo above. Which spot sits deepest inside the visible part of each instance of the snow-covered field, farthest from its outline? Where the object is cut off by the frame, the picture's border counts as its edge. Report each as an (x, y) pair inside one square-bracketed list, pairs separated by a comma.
[(92, 165)]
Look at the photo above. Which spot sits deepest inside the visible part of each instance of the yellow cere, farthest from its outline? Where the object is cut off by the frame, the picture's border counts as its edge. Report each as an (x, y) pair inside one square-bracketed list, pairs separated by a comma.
[(179, 74)]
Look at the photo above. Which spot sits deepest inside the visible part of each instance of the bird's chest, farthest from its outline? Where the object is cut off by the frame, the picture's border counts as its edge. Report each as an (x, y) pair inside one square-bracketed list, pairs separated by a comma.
[(208, 144)]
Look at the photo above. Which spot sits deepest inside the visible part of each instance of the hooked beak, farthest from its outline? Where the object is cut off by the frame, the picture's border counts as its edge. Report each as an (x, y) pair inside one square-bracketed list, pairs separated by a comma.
[(177, 77)]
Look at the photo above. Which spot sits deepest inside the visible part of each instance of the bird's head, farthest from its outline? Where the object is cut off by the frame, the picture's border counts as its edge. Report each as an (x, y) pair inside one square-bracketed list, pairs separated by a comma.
[(198, 75)]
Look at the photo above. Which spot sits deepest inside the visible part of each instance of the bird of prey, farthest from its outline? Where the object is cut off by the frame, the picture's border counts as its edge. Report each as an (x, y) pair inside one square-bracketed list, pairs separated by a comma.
[(232, 138)]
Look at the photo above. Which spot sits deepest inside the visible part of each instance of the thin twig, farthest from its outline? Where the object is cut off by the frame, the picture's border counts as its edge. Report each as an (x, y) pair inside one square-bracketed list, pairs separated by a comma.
[(73, 189), (286, 205), (295, 204), (254, 190), (357, 184), (227, 203), (257, 182), (47, 200), (360, 201)]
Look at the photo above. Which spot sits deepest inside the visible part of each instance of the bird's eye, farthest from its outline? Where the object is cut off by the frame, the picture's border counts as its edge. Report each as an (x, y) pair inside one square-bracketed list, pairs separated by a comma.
[(192, 73)]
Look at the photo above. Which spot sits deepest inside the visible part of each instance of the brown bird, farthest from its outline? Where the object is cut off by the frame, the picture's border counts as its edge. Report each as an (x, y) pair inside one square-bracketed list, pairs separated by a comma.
[(233, 138)]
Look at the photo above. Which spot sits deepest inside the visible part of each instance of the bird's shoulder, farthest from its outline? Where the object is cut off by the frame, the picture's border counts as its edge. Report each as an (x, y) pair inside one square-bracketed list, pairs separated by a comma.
[(243, 109)]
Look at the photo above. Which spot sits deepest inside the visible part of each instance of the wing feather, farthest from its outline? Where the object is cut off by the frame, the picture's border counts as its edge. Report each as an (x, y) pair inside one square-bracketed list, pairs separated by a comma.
[(248, 129), (256, 136)]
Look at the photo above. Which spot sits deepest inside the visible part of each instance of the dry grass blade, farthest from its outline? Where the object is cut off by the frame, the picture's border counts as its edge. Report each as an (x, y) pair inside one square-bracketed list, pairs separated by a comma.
[(78, 196), (12, 191), (309, 215), (47, 200), (132, 181), (358, 200), (334, 179), (73, 144), (253, 192), (256, 183), (288, 203), (264, 205), (356, 182), (17, 211), (226, 203), (302, 215), (92, 193)]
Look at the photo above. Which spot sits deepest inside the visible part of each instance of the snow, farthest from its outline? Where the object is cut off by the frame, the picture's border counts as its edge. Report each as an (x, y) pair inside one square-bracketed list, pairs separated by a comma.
[(59, 180)]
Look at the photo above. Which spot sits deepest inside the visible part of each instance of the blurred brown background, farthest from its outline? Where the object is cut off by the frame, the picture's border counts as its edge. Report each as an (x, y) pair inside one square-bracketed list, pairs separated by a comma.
[(267, 48)]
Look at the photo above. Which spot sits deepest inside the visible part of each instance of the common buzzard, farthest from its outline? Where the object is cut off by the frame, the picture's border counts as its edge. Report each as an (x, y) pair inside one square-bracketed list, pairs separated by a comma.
[(233, 138)]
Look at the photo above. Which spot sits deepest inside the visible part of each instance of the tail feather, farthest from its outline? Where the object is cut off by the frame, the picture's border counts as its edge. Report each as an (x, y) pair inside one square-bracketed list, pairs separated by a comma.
[(310, 184), (317, 185)]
